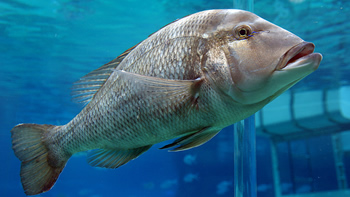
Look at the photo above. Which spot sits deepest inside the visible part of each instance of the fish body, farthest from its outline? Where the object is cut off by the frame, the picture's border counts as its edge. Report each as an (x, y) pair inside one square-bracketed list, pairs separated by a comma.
[(188, 80)]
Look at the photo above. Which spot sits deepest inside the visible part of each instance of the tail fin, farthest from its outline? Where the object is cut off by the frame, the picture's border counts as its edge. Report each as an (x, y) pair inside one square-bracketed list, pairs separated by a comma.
[(39, 171)]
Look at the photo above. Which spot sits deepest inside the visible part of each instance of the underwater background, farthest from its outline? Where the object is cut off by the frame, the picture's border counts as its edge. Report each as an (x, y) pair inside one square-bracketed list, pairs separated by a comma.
[(303, 143)]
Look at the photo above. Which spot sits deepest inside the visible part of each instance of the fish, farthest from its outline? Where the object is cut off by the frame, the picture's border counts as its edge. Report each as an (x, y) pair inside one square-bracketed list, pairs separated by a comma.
[(187, 81)]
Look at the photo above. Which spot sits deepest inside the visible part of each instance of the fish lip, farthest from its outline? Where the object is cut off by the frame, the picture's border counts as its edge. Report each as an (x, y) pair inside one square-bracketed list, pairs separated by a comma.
[(303, 50)]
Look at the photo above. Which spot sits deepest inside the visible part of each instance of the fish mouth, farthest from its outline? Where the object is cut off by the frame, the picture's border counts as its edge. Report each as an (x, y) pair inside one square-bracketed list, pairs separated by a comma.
[(300, 55)]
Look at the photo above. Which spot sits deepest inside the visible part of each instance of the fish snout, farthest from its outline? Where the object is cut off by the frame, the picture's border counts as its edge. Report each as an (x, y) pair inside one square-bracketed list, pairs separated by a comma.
[(298, 55)]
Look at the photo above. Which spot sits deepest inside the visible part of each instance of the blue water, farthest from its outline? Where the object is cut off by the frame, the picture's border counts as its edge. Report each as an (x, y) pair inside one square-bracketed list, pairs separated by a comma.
[(46, 45)]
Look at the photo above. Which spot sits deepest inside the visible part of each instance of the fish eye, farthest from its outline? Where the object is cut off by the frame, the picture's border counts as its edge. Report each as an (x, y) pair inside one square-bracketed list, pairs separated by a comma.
[(242, 32)]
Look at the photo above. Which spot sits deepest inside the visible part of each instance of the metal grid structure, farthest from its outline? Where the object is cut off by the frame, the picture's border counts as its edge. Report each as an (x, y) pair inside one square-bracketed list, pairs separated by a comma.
[(306, 115)]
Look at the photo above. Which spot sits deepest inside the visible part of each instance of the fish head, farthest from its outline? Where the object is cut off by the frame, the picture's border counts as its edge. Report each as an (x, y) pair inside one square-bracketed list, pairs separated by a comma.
[(263, 60)]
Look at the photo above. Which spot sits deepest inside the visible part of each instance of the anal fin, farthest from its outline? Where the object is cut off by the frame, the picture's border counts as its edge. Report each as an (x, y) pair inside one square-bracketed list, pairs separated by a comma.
[(110, 158), (192, 140)]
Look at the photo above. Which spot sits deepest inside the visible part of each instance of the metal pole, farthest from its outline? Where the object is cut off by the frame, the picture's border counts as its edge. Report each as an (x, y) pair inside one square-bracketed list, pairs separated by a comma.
[(244, 142)]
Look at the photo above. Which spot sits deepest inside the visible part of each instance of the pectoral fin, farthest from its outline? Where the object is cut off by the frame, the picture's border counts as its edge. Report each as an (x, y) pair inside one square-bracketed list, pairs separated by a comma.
[(192, 140), (159, 89)]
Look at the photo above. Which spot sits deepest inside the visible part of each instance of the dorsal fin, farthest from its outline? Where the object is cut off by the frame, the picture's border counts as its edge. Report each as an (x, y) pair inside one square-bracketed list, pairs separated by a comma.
[(87, 86)]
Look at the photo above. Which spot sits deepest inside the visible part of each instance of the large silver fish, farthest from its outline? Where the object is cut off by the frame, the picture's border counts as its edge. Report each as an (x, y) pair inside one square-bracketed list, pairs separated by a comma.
[(188, 80)]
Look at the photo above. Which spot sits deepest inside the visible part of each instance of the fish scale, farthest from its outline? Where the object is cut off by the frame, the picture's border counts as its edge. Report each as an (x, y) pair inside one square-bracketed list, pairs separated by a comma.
[(187, 81)]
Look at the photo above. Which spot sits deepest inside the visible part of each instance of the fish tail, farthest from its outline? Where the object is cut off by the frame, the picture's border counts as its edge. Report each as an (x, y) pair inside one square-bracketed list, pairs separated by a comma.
[(39, 168)]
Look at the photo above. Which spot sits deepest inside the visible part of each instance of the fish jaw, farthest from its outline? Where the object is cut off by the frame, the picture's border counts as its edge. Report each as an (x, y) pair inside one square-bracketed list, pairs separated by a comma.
[(294, 65), (300, 64), (300, 55)]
